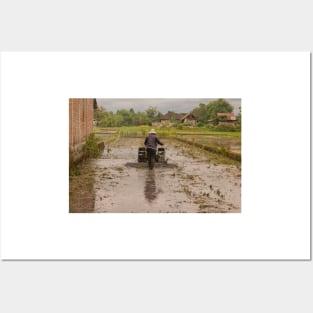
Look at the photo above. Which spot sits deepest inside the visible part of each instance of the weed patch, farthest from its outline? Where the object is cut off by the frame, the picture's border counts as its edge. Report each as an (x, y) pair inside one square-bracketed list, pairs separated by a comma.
[(91, 148)]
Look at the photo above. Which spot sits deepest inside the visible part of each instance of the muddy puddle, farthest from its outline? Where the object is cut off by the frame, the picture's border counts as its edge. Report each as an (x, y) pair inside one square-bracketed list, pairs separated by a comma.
[(188, 182)]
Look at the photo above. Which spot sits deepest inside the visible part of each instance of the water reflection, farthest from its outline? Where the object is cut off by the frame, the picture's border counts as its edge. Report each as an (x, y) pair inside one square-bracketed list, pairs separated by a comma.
[(150, 186)]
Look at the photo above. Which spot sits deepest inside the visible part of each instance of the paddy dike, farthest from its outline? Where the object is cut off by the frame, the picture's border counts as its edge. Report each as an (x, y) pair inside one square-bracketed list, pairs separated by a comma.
[(192, 181)]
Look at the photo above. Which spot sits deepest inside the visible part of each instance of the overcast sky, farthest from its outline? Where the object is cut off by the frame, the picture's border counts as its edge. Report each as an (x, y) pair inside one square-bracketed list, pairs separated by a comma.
[(163, 105)]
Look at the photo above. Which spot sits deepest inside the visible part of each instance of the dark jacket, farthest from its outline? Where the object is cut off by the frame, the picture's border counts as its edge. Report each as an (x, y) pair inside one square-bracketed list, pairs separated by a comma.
[(152, 141)]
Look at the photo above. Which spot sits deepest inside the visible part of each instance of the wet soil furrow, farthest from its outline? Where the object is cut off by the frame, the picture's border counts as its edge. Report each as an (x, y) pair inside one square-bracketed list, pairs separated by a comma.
[(189, 182)]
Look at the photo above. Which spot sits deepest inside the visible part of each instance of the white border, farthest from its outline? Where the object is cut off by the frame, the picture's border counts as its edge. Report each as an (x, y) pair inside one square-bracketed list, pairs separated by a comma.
[(275, 93)]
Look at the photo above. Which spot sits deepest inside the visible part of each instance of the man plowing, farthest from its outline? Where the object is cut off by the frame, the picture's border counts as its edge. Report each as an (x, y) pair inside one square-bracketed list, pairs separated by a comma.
[(151, 142)]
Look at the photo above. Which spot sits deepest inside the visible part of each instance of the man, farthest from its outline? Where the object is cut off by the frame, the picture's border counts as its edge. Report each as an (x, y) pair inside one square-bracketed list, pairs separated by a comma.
[(151, 142)]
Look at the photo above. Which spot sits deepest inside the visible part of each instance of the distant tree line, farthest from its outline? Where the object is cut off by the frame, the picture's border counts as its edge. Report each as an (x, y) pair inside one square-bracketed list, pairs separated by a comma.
[(205, 113), (125, 117)]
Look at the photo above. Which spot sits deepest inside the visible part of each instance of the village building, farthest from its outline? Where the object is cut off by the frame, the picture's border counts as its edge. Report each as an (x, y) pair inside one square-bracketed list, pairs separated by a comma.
[(170, 117), (80, 121), (227, 119), (189, 119)]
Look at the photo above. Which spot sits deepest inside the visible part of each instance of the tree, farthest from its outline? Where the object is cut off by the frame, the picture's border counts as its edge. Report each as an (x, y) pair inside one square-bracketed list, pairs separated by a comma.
[(126, 116), (239, 117), (141, 119), (218, 106), (152, 114), (201, 112), (99, 113)]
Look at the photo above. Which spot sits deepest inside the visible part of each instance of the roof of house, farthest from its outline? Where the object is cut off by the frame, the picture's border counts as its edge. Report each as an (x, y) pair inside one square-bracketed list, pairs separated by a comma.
[(188, 115), (228, 115), (171, 115)]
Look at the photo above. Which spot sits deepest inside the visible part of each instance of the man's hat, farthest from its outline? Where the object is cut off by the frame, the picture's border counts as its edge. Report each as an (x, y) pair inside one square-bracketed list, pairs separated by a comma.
[(152, 131)]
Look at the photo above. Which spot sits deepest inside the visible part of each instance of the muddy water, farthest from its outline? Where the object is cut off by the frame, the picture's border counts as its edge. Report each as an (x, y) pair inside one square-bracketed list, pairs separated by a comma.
[(187, 183)]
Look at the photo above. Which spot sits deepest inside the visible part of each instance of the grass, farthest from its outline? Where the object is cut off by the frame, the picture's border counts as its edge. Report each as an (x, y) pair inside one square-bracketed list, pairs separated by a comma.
[(220, 149), (199, 201), (107, 138), (142, 131), (222, 146), (81, 193), (186, 190)]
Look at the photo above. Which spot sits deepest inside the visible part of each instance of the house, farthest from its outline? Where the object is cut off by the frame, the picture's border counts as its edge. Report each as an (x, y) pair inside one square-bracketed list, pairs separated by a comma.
[(189, 118), (80, 121), (170, 117), (227, 119)]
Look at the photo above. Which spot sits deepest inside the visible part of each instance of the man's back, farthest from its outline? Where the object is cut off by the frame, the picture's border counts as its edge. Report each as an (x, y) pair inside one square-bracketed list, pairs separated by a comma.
[(152, 141)]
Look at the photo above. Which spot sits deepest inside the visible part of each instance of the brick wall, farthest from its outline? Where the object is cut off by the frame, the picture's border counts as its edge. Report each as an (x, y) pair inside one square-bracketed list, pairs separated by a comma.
[(80, 121)]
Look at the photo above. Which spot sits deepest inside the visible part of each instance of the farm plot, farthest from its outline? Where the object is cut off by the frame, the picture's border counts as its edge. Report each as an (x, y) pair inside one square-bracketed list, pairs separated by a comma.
[(230, 142), (192, 181)]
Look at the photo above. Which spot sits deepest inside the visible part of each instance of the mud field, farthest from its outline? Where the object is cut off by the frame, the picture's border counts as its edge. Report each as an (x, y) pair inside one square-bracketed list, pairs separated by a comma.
[(192, 181)]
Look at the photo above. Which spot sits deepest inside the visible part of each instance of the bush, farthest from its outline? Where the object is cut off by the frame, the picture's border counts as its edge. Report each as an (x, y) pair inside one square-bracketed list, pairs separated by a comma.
[(210, 127), (178, 126), (91, 147)]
